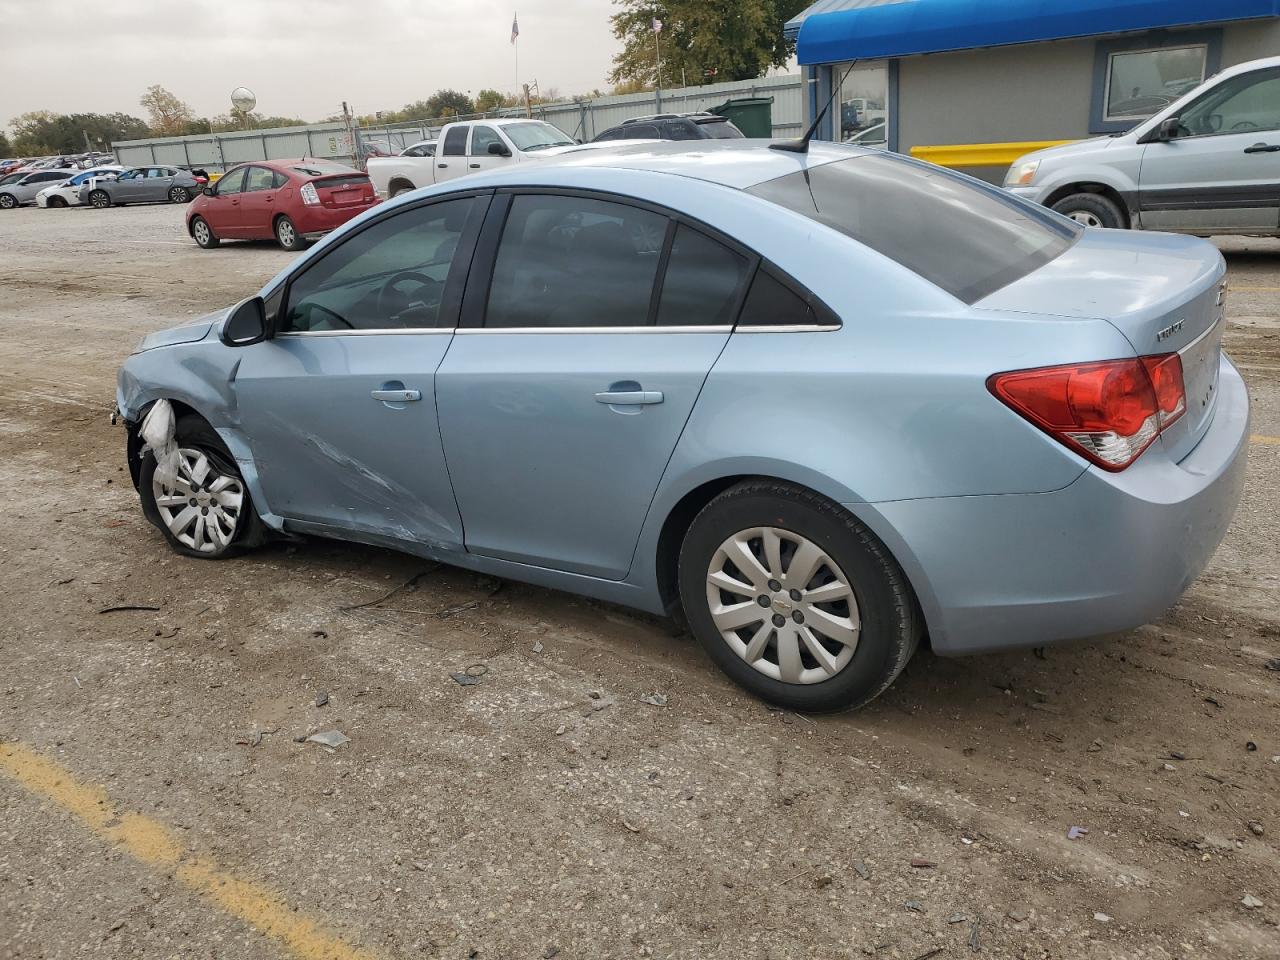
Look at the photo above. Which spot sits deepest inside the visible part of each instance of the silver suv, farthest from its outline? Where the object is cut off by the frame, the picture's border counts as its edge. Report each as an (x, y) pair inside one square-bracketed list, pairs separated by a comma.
[(1209, 163)]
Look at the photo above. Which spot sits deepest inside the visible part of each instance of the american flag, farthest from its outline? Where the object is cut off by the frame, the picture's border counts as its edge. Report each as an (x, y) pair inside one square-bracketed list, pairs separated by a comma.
[(515, 28)]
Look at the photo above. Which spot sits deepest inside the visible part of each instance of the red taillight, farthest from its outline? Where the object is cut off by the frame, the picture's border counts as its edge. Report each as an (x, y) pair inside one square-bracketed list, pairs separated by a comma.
[(1108, 411)]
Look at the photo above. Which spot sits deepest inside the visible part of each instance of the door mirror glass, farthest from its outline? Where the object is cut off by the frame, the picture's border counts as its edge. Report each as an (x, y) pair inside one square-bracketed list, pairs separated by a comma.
[(1170, 128), (247, 324), (208, 192), (499, 150)]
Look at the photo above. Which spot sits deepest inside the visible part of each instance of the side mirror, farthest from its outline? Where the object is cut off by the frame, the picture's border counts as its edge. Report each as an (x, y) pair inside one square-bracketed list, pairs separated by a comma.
[(246, 324), (1170, 128), (499, 150), (208, 192)]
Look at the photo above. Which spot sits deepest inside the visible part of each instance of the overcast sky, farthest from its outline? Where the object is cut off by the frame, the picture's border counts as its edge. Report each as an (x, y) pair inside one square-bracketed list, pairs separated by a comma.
[(301, 57)]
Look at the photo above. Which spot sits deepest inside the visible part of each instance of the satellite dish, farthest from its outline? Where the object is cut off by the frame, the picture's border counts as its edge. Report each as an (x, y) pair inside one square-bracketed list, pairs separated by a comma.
[(242, 99)]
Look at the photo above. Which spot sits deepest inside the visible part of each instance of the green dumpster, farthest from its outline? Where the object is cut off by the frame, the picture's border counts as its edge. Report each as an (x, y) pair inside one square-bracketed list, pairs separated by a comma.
[(752, 115)]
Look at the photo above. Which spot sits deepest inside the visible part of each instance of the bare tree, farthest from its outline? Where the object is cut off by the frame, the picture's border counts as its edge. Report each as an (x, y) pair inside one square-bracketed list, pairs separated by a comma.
[(169, 115)]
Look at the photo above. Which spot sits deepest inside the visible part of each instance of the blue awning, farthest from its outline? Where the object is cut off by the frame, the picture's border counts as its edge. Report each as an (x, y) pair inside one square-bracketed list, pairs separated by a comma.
[(835, 30)]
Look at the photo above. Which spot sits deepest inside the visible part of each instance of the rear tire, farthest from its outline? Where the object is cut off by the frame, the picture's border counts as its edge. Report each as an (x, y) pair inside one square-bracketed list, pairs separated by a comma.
[(203, 235), (287, 234), (1092, 210), (100, 199), (7, 201), (179, 195), (872, 608), (223, 504)]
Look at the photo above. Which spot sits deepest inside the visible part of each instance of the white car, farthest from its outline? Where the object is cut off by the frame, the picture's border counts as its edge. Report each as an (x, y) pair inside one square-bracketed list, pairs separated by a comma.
[(67, 192)]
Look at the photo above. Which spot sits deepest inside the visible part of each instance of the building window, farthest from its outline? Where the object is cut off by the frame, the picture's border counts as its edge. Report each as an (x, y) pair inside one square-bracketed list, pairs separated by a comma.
[(1143, 82), (861, 116), (1136, 78)]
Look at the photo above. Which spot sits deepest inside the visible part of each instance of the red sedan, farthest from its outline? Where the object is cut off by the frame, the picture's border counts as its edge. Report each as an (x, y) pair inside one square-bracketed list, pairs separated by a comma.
[(291, 201)]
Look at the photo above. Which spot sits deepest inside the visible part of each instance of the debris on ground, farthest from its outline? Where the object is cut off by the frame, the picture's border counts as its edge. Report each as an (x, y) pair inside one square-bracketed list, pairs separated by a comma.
[(861, 870), (464, 679), (550, 952), (537, 646), (957, 918), (915, 906), (255, 738), (322, 698), (1075, 833), (1255, 828), (329, 738), (1168, 767), (1250, 901), (1018, 915), (922, 863), (129, 606), (1273, 665), (975, 941), (656, 699), (1251, 746), (1102, 917)]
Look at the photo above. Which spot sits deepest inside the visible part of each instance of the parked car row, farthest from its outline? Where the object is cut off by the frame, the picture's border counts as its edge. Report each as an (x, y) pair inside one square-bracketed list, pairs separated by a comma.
[(79, 161), (102, 186)]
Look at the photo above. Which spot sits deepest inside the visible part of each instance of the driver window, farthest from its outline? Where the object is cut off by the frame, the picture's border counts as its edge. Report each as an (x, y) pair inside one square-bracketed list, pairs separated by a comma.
[(481, 138), (390, 276), (1242, 104), (232, 182)]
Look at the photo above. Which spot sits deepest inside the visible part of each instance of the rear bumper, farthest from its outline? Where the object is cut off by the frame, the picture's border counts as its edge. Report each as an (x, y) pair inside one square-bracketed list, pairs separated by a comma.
[(1109, 552), (314, 221)]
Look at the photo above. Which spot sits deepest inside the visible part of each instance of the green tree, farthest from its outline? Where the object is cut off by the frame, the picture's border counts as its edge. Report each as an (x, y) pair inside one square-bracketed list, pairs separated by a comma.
[(490, 99), (169, 115), (702, 41), (4, 145), (449, 103), (42, 131)]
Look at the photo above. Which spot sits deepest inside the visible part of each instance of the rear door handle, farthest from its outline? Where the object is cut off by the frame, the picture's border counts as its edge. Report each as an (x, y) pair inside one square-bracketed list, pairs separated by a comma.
[(1263, 148), (396, 396), (619, 398)]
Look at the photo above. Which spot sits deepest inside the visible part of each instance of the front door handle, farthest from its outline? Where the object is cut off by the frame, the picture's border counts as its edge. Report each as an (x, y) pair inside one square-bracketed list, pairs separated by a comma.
[(442, 165), (396, 396), (1263, 148), (621, 398), (474, 166)]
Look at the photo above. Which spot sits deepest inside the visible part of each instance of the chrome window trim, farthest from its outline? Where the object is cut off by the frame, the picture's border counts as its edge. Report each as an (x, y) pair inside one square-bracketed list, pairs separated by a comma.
[(717, 328), (380, 331), (788, 328)]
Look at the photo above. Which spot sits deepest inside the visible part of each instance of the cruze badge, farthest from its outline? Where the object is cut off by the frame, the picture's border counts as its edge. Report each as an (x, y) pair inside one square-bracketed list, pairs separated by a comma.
[(1169, 331)]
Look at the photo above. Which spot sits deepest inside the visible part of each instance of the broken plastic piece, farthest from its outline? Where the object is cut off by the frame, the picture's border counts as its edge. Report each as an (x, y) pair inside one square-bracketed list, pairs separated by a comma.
[(1075, 833), (329, 738), (157, 433)]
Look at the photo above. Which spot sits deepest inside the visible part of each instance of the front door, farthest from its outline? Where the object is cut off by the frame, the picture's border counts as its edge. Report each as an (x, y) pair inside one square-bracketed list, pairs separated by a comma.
[(129, 187), (560, 408), (480, 159), (224, 211), (451, 158), (1222, 173), (339, 407)]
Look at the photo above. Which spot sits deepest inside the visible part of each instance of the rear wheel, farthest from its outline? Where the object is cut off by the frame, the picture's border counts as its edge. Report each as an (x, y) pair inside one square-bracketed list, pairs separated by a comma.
[(205, 511), (203, 234), (1092, 210), (795, 599), (180, 195), (100, 199), (7, 201), (287, 234)]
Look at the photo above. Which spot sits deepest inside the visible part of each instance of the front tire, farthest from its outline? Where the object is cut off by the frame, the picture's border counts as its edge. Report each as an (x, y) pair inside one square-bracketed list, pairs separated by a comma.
[(795, 599), (100, 199), (179, 195), (202, 233), (7, 201), (206, 512), (287, 235), (57, 203), (1092, 210)]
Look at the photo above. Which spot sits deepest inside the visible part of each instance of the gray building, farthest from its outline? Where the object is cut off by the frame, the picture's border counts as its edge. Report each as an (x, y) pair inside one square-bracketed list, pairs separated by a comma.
[(976, 85)]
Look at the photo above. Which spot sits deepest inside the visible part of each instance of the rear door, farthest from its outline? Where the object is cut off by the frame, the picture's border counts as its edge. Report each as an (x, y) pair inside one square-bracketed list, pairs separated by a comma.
[(340, 406), (157, 183), (258, 202), (451, 158), (1222, 175), (588, 330)]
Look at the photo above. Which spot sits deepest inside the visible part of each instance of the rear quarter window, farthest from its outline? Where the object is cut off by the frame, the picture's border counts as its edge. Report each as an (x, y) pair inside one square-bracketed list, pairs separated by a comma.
[(965, 237)]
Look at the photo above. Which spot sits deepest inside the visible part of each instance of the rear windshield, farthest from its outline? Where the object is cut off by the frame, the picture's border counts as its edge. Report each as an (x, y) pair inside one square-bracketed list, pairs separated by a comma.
[(965, 237), (349, 180), (720, 130), (318, 168)]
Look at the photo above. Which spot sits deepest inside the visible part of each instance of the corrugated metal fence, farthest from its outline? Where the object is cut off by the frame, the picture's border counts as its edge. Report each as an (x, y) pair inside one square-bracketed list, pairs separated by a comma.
[(582, 119)]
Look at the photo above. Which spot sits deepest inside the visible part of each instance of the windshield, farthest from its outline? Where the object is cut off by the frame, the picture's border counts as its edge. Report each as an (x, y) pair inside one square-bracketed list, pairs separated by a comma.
[(536, 135), (961, 235)]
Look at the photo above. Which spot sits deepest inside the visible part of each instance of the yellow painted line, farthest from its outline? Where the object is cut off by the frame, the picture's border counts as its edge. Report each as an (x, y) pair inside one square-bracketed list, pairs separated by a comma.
[(155, 845), (981, 154), (1259, 438)]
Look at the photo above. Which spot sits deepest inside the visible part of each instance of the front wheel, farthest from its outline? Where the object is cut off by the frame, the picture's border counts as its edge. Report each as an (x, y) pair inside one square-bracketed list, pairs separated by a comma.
[(100, 199), (179, 195), (795, 599), (1092, 210), (7, 201), (287, 235), (57, 203), (205, 511)]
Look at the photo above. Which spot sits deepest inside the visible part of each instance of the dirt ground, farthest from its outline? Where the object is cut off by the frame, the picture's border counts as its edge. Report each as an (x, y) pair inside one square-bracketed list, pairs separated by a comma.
[(547, 810)]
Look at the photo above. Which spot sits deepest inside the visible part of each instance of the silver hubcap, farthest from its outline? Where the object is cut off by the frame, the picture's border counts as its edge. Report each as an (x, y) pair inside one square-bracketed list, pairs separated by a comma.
[(202, 232), (783, 605), (1085, 217), (99, 200), (176, 196), (202, 506), (285, 232)]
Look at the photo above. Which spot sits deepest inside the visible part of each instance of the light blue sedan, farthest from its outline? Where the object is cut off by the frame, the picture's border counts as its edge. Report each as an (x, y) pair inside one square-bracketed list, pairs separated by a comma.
[(825, 404)]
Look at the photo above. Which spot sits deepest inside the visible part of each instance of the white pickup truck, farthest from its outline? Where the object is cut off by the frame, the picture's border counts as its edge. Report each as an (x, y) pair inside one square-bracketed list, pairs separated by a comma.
[(469, 146)]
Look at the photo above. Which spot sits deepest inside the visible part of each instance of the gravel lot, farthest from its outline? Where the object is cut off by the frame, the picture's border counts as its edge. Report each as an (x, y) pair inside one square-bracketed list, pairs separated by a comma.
[(546, 810)]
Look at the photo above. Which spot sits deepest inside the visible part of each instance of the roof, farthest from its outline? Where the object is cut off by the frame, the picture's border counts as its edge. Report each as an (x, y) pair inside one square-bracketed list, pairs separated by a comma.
[(834, 30)]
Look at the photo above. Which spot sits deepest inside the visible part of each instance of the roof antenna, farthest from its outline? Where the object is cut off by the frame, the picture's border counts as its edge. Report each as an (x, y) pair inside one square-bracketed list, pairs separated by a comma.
[(802, 145)]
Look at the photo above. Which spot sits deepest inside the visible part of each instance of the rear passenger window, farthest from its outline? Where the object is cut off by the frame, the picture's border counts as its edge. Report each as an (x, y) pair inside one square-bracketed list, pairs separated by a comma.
[(455, 142), (259, 178), (703, 281), (641, 131), (574, 262), (771, 303)]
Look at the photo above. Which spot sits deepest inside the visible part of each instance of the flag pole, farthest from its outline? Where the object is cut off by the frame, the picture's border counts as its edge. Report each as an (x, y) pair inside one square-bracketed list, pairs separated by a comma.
[(515, 43), (657, 55)]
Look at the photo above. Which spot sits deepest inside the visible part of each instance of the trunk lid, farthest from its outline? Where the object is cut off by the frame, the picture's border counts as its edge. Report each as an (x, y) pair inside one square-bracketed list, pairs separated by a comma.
[(1164, 292), (345, 190)]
